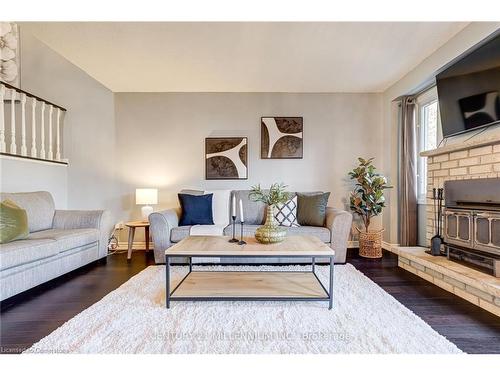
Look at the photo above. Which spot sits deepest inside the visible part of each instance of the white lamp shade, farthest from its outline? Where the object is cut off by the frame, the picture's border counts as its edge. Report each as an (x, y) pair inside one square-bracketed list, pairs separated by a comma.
[(146, 196)]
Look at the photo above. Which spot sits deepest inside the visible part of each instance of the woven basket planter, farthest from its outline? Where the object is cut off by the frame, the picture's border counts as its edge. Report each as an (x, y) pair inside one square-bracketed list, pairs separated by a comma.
[(370, 244)]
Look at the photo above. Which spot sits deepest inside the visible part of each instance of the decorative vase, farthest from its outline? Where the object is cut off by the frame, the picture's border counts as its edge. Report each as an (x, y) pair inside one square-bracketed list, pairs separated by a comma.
[(270, 232), (370, 243)]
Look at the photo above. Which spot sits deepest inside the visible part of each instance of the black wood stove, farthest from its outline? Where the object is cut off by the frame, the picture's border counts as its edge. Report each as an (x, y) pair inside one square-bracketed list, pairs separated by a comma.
[(472, 222)]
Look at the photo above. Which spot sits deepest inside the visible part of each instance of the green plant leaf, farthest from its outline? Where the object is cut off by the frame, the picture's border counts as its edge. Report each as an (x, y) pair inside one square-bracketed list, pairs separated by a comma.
[(367, 197), (276, 194)]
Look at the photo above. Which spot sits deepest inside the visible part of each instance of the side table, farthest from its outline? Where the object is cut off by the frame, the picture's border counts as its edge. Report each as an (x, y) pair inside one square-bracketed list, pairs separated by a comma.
[(131, 233)]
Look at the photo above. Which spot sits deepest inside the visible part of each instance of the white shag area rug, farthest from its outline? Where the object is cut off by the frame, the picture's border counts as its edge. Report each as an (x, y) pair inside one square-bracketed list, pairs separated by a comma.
[(133, 319)]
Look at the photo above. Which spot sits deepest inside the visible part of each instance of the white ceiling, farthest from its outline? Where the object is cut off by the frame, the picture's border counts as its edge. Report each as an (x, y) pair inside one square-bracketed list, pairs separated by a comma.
[(246, 57)]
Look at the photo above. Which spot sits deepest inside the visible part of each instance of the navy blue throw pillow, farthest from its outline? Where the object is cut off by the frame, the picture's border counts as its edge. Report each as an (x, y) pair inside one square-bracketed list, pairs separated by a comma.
[(196, 209)]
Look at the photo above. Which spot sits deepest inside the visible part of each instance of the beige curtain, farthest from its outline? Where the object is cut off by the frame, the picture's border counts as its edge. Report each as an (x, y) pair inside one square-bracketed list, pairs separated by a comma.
[(408, 225)]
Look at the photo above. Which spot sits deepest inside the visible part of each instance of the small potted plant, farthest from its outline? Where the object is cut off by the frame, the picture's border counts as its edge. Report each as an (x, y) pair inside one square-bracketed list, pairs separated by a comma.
[(367, 200), (270, 232)]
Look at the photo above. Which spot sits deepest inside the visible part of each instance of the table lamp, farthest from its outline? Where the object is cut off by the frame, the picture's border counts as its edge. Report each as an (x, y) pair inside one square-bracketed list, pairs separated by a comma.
[(146, 197)]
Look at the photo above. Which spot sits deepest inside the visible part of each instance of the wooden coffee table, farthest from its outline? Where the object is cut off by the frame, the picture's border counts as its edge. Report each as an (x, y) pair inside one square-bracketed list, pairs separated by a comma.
[(203, 285)]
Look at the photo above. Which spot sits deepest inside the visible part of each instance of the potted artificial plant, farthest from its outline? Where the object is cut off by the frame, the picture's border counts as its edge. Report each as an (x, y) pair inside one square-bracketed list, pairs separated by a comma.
[(367, 200), (270, 232)]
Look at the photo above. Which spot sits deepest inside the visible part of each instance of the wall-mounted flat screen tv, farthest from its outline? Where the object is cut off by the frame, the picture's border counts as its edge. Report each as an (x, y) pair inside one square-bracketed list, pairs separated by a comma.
[(469, 90)]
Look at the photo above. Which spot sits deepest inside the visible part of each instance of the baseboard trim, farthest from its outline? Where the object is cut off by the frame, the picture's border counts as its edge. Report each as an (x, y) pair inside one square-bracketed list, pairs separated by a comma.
[(141, 245), (137, 245)]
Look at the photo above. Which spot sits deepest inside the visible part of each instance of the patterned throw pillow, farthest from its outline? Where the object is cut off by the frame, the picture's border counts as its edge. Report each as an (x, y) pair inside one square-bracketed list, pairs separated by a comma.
[(286, 213)]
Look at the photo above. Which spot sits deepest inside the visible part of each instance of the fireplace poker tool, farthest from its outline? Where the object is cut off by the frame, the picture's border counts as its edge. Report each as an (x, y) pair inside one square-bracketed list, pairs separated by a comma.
[(440, 213), (434, 203), (437, 239)]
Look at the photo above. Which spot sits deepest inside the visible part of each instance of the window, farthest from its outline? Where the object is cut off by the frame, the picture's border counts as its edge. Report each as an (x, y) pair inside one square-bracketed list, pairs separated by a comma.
[(429, 133)]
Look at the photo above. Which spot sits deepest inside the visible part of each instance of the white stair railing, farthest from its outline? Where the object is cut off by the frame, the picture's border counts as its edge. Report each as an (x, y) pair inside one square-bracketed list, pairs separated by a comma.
[(51, 154), (13, 147), (58, 135), (42, 146), (24, 151), (42, 132), (33, 128)]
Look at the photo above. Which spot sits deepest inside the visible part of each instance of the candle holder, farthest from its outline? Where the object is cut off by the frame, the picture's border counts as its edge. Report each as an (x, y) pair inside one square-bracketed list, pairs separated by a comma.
[(241, 242), (234, 239)]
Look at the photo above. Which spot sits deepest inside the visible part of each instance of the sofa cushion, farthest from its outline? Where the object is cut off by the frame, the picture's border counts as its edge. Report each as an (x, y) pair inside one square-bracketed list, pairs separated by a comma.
[(311, 208), (286, 213), (68, 239), (179, 233), (13, 222), (196, 209), (321, 232), (20, 252), (44, 244), (39, 207), (220, 206), (254, 212), (192, 192)]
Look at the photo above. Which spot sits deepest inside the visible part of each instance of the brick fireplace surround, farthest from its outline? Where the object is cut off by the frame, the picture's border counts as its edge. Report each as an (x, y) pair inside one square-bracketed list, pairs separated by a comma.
[(476, 159), (459, 162)]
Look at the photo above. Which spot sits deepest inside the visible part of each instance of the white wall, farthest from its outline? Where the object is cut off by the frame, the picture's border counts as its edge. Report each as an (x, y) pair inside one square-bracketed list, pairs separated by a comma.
[(418, 78), (21, 175), (117, 142), (157, 139), (89, 130), (160, 140)]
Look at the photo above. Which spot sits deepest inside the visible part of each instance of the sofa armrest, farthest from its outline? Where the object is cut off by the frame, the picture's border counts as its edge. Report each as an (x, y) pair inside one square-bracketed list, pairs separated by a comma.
[(339, 223), (79, 219), (161, 224)]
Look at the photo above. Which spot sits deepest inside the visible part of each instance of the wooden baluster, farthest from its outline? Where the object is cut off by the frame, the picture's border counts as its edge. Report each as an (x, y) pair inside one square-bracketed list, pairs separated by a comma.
[(24, 151), (2, 119), (13, 147), (33, 128), (51, 154), (58, 137), (42, 137)]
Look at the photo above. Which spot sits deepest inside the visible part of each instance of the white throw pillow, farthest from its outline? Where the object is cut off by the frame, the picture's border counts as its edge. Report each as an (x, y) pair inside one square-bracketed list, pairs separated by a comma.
[(220, 206), (286, 213)]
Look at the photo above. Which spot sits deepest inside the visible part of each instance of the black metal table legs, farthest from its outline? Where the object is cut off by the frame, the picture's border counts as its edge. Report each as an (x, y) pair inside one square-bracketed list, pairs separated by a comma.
[(330, 290), (167, 281), (170, 292)]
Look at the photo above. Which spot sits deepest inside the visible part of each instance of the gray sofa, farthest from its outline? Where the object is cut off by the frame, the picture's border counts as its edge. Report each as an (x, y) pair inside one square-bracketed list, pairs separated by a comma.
[(59, 241), (165, 229)]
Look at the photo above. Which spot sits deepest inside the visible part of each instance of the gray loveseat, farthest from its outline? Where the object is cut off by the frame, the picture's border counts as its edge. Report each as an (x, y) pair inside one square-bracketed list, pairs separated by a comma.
[(165, 229), (59, 241)]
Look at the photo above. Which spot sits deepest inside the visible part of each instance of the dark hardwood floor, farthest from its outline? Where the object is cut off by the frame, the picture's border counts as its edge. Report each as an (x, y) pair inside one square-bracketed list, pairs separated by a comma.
[(28, 317)]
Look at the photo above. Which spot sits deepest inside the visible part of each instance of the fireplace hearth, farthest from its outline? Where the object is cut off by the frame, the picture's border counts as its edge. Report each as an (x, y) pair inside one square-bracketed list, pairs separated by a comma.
[(472, 222)]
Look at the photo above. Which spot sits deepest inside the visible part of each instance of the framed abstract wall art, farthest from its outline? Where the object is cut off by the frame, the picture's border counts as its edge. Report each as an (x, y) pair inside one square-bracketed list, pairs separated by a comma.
[(281, 138), (226, 158)]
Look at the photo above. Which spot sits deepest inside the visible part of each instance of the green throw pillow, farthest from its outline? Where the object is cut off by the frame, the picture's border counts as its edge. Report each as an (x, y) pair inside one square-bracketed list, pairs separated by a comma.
[(311, 208), (13, 222)]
